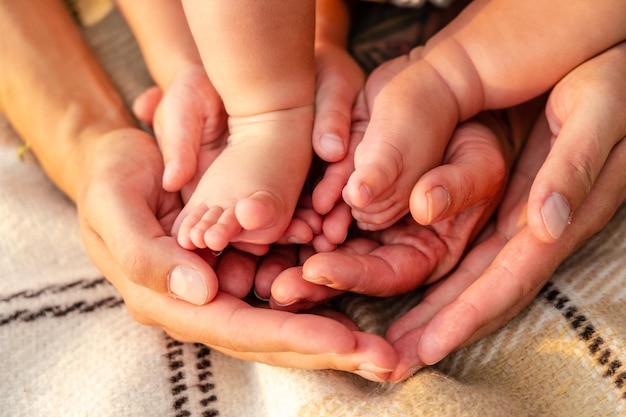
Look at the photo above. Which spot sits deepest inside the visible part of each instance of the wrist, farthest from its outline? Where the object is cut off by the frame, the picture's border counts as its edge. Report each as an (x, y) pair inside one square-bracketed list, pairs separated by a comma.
[(69, 151), (108, 157)]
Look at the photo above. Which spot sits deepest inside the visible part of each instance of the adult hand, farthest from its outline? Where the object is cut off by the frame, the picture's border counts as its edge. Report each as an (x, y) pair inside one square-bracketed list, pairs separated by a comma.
[(582, 136), (125, 218), (505, 271), (586, 113)]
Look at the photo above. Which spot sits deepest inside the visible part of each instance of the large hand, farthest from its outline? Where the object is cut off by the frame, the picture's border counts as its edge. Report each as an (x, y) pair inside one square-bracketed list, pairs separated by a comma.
[(503, 273), (585, 129), (125, 216), (586, 112)]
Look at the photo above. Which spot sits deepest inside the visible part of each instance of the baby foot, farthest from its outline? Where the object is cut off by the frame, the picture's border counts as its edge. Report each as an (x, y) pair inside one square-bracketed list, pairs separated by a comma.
[(412, 116), (249, 193)]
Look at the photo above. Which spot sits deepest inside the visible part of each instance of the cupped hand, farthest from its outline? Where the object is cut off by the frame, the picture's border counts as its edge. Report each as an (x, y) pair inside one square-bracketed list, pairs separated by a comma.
[(188, 120), (408, 254), (505, 271), (125, 217), (586, 113)]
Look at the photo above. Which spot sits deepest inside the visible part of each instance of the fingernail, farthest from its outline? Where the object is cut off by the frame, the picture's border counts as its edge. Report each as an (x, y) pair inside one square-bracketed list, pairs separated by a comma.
[(438, 202), (319, 279), (410, 372), (556, 214), (366, 195), (372, 372), (168, 172), (256, 294), (296, 240), (332, 144), (286, 303), (369, 376), (188, 284)]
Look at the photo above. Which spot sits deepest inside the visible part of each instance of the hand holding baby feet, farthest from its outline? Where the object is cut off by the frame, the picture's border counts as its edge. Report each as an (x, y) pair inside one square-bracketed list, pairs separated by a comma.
[(408, 254)]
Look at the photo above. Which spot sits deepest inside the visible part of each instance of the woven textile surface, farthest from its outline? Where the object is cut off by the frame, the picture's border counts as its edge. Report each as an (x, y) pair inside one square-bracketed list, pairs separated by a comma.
[(70, 348)]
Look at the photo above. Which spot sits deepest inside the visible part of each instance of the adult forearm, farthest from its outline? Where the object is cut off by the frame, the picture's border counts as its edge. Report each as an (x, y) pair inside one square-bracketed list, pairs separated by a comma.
[(52, 89)]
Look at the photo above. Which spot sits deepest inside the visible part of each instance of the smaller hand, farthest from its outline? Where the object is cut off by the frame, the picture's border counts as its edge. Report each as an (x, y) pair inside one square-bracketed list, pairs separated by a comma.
[(189, 123)]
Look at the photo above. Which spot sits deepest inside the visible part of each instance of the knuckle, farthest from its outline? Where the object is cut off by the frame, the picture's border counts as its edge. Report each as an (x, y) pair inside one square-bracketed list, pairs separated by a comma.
[(582, 170), (136, 265)]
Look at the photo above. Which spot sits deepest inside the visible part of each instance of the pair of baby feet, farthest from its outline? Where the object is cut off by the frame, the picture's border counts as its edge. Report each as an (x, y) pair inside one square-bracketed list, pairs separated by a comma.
[(250, 191)]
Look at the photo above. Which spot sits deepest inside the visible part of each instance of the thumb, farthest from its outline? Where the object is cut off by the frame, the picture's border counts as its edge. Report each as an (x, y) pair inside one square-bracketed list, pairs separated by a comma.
[(128, 244)]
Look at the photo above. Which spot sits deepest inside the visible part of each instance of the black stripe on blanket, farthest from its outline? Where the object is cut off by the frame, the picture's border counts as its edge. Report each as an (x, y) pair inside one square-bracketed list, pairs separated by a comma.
[(57, 311), (28, 315), (205, 376), (177, 377), (180, 374), (612, 367), (82, 284)]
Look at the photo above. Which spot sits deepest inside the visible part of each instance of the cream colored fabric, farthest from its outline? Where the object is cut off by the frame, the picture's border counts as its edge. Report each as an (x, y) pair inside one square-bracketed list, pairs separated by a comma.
[(69, 347)]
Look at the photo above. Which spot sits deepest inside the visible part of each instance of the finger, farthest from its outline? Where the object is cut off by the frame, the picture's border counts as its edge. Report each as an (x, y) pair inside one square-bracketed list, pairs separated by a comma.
[(331, 313), (127, 226), (332, 120), (584, 134), (257, 329), (406, 332), (178, 128), (146, 103), (445, 291), (335, 96), (501, 287), (371, 359), (237, 329), (302, 228), (278, 259), (290, 292), (336, 224), (191, 114), (516, 274), (329, 189), (474, 169), (305, 223), (235, 271), (406, 259)]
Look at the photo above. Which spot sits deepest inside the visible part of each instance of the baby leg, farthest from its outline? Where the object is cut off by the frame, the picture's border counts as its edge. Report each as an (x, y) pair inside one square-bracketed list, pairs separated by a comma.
[(249, 193), (259, 57)]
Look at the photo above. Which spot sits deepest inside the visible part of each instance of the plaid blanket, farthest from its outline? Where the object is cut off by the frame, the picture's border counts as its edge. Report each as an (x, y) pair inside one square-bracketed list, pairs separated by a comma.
[(69, 347)]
